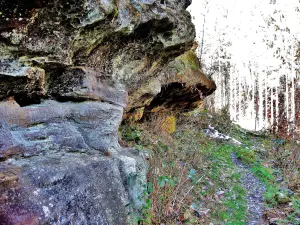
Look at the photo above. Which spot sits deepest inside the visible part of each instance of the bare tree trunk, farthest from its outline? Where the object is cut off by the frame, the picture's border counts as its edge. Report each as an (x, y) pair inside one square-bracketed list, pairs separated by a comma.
[(202, 41)]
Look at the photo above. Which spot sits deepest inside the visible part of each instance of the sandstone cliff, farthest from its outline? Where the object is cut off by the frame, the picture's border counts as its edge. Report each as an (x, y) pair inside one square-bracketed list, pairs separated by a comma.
[(66, 68)]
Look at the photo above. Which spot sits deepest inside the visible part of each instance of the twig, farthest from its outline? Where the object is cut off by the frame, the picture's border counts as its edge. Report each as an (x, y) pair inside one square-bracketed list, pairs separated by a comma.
[(179, 184), (191, 189)]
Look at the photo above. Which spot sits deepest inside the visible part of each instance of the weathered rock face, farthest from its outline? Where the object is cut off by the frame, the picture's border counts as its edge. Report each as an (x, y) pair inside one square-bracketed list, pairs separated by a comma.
[(61, 163), (64, 189), (110, 37), (180, 85), (26, 84), (66, 67), (61, 126)]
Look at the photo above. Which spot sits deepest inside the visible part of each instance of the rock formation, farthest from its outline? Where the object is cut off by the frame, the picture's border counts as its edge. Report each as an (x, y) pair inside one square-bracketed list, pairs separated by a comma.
[(66, 67)]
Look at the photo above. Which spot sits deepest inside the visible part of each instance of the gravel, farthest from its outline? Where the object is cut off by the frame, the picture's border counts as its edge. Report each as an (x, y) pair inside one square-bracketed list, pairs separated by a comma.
[(255, 190)]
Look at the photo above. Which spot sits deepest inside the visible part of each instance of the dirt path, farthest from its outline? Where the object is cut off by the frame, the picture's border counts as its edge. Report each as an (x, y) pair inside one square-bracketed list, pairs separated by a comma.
[(255, 190)]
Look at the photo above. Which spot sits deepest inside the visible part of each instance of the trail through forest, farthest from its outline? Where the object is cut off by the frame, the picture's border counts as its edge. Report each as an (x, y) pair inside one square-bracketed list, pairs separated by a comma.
[(255, 190)]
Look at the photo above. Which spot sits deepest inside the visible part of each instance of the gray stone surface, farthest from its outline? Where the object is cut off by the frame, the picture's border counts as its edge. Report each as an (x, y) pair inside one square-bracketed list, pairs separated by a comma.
[(71, 167), (78, 83), (71, 189), (61, 126)]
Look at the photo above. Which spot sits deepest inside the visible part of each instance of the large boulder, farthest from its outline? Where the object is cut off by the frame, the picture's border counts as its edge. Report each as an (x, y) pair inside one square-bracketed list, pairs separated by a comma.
[(66, 67), (61, 163), (67, 189)]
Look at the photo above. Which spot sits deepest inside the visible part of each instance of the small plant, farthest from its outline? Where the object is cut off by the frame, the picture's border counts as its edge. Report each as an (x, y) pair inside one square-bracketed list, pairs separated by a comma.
[(246, 155), (166, 180), (131, 134)]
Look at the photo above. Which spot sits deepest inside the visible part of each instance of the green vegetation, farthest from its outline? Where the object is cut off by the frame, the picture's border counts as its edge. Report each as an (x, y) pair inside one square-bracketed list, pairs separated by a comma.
[(193, 180)]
